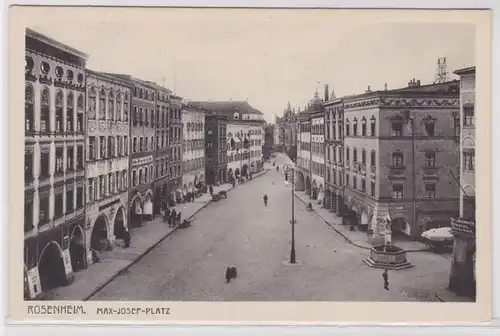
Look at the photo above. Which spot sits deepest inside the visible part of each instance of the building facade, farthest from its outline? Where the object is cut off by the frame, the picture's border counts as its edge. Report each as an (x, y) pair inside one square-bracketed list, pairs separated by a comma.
[(399, 148), (193, 157), (107, 160), (162, 149), (286, 132), (54, 171), (462, 276), (175, 172), (216, 148), (334, 153)]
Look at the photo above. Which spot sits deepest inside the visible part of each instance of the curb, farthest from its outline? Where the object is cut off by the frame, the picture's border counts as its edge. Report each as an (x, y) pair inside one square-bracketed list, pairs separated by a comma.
[(149, 249)]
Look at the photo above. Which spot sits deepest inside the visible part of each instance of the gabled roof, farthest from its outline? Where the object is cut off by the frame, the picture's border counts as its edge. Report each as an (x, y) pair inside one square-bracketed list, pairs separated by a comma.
[(226, 107)]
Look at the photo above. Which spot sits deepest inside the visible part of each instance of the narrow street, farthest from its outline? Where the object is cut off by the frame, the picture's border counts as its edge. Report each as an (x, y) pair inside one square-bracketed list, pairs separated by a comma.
[(241, 232)]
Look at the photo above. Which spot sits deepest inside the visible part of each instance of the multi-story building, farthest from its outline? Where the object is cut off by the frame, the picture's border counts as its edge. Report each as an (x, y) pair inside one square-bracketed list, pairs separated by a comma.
[(462, 276), (175, 147), (401, 151), (193, 157), (54, 171), (142, 149), (162, 149), (216, 148), (334, 152), (311, 160), (245, 129), (268, 146), (107, 159)]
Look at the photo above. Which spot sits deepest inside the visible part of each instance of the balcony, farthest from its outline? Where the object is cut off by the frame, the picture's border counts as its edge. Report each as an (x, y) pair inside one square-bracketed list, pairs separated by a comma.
[(430, 172), (397, 170)]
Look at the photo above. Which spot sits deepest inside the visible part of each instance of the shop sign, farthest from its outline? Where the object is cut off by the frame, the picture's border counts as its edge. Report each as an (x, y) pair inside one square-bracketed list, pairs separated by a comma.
[(463, 227)]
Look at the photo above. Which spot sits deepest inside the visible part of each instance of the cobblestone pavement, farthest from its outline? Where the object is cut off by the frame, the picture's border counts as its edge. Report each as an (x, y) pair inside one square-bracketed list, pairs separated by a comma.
[(241, 232), (113, 262)]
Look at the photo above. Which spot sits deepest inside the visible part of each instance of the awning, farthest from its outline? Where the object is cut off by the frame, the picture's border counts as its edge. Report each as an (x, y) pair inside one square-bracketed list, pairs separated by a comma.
[(440, 234)]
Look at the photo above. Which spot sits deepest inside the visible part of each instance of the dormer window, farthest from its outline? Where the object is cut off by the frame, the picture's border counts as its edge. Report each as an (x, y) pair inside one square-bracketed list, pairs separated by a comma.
[(236, 116)]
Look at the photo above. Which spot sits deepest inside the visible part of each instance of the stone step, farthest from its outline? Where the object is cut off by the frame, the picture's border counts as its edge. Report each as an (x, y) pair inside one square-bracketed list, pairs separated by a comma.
[(370, 262)]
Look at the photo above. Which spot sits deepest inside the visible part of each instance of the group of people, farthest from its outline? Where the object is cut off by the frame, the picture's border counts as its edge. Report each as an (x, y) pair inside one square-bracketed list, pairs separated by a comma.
[(171, 217)]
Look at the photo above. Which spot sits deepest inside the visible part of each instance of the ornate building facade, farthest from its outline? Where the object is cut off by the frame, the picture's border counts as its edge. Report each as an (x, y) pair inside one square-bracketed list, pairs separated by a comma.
[(108, 109), (399, 148), (286, 132), (193, 157), (175, 142), (54, 171)]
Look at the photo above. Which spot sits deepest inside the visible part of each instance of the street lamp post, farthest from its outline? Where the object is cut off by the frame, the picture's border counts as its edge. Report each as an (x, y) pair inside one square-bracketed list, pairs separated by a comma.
[(289, 168)]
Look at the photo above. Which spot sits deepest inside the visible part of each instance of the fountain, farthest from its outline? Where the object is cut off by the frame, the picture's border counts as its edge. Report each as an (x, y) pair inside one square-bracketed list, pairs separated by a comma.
[(388, 257)]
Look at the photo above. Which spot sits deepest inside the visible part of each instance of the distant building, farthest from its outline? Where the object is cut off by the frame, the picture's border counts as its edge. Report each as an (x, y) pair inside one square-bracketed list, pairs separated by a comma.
[(462, 277), (268, 146), (193, 157), (175, 144), (55, 237), (401, 151), (215, 148), (286, 132), (245, 130)]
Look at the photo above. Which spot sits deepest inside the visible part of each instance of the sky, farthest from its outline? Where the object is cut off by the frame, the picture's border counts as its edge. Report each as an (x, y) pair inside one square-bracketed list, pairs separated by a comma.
[(267, 57)]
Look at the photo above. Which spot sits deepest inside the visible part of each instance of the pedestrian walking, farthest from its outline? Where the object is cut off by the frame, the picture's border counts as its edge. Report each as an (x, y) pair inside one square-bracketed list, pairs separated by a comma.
[(265, 200), (277, 168), (385, 276), (173, 217), (228, 274), (210, 190)]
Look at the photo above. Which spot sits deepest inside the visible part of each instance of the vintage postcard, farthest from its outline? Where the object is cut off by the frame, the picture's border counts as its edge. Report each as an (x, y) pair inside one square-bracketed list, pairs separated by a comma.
[(236, 166)]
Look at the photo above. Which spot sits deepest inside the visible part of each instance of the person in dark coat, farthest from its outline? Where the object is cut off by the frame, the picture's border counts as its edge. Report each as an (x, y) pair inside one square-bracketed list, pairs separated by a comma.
[(210, 190), (385, 275), (126, 238), (228, 274), (265, 200), (173, 217)]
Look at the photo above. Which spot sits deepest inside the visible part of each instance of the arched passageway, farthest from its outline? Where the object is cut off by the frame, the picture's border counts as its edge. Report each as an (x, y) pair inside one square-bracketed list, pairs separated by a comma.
[(51, 267), (99, 238), (135, 216), (119, 224), (77, 249)]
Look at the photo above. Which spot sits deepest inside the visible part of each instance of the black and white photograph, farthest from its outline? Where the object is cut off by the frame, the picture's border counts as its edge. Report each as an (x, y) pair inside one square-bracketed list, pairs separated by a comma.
[(232, 155)]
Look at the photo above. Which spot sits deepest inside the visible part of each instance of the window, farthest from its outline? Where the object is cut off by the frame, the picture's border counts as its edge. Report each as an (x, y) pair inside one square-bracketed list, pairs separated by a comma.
[(70, 158), (397, 159), (79, 157), (59, 111), (102, 144), (92, 107), (397, 129), (363, 185), (45, 111), (429, 128), (79, 122), (372, 126), (134, 145), (209, 144), (28, 167), (372, 189), (111, 149), (354, 182), (355, 127), (469, 161), (44, 211), (397, 191), (119, 145), (102, 105), (28, 215), (125, 145), (69, 113), (347, 130), (134, 178), (29, 114), (69, 201), (91, 193), (430, 190), (102, 189), (347, 180), (372, 158), (58, 205), (125, 110), (111, 106), (44, 164), (469, 116), (355, 155), (363, 157), (146, 176), (430, 160), (363, 127), (59, 160), (110, 184), (92, 148), (141, 144), (347, 154), (79, 197)]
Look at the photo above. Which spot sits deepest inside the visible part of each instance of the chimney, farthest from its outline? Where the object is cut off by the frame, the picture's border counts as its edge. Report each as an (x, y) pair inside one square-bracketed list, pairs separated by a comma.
[(326, 92), (385, 86), (368, 89), (418, 82)]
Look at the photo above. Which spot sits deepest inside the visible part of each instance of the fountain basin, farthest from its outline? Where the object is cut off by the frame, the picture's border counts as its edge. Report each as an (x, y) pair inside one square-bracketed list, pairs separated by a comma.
[(388, 257)]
